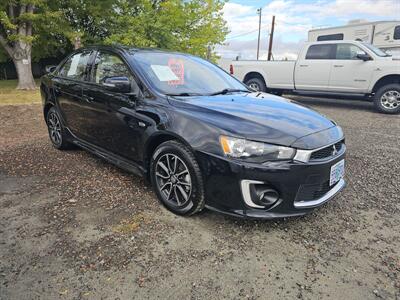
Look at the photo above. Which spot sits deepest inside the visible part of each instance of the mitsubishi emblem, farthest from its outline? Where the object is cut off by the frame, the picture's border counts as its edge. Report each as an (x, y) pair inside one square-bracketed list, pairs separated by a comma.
[(334, 150)]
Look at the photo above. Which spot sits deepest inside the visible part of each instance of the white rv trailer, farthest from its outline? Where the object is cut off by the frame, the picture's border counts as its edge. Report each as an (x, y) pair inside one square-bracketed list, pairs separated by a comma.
[(382, 34)]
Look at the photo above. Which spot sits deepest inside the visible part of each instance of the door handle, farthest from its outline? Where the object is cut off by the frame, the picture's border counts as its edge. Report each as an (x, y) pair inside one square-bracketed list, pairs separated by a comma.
[(88, 99), (303, 65), (338, 66)]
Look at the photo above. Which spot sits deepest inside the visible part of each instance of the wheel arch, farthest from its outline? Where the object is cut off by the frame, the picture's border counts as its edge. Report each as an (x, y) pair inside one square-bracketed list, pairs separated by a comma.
[(46, 109), (254, 74), (157, 139), (385, 80)]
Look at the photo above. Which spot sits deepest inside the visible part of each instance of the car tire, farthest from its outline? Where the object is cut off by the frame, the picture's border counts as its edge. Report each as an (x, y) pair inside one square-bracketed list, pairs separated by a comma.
[(176, 178), (57, 132), (387, 99), (257, 84)]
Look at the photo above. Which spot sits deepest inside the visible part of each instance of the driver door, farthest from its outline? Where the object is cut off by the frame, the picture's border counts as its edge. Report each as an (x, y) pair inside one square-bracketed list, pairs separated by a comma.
[(119, 126), (349, 73)]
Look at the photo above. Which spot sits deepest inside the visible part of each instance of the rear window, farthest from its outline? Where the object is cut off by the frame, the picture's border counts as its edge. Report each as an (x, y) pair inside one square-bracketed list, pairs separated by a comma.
[(330, 37), (327, 51), (396, 35)]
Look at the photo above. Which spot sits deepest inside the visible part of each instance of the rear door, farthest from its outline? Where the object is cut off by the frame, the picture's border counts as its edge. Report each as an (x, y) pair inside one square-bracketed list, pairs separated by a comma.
[(350, 74), (313, 68), (68, 89)]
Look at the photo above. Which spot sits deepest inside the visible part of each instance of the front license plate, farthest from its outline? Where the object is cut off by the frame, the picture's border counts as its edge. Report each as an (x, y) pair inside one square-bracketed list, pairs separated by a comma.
[(337, 172)]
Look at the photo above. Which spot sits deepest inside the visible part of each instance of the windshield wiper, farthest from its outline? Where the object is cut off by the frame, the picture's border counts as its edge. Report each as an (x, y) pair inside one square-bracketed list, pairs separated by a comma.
[(226, 91), (183, 95)]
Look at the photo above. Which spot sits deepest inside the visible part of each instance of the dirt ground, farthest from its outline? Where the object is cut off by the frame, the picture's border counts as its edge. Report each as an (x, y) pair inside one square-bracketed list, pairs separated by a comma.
[(75, 227)]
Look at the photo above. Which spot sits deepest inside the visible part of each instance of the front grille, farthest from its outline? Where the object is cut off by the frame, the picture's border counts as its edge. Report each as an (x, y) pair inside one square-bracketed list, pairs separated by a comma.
[(327, 152), (310, 192)]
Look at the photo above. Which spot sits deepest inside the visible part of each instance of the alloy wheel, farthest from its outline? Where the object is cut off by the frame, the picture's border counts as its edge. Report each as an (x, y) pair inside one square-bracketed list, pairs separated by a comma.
[(54, 125), (173, 180), (391, 99)]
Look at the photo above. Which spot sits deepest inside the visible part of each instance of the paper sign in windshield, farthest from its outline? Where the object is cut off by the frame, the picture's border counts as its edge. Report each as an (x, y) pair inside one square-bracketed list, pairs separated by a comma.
[(177, 67), (164, 73)]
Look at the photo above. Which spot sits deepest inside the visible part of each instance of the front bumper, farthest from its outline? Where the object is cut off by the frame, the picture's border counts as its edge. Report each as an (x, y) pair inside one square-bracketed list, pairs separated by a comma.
[(226, 193)]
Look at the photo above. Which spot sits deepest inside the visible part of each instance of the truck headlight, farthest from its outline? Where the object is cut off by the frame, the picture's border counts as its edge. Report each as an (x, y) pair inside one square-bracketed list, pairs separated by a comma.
[(254, 151)]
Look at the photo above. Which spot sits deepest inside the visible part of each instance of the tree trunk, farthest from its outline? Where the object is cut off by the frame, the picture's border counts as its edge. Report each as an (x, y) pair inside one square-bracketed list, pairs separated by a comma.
[(25, 76)]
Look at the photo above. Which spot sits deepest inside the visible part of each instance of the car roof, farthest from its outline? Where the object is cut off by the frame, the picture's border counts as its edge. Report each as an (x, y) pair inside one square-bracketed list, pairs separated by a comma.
[(128, 49)]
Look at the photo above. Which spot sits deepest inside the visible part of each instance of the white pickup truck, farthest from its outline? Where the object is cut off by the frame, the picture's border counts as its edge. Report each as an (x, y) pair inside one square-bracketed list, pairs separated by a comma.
[(329, 68)]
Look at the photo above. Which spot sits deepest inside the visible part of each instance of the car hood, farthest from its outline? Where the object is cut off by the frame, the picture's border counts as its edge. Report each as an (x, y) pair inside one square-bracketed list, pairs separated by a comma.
[(255, 116)]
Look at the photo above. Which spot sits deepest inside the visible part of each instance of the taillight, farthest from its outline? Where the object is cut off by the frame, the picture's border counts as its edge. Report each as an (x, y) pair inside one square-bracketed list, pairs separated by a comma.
[(231, 69)]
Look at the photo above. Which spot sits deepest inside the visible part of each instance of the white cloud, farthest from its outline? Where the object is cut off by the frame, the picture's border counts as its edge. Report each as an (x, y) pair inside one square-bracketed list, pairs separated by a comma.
[(295, 19), (248, 49)]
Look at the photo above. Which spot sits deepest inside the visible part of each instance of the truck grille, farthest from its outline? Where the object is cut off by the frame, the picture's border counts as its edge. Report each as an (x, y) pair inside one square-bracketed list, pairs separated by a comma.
[(310, 192), (328, 152)]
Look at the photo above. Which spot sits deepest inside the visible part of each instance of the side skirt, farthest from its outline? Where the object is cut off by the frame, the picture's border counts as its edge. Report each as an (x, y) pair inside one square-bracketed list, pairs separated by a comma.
[(116, 160)]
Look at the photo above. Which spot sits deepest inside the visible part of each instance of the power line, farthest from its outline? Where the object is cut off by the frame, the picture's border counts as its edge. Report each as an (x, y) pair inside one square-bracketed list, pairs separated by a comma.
[(246, 33)]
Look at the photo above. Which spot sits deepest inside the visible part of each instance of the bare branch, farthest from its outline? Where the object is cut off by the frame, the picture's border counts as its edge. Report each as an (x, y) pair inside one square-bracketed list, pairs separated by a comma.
[(30, 10), (11, 12), (11, 15), (8, 48), (22, 27)]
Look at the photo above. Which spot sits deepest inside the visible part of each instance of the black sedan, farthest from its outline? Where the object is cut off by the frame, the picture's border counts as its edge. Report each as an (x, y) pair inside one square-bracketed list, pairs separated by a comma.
[(200, 136)]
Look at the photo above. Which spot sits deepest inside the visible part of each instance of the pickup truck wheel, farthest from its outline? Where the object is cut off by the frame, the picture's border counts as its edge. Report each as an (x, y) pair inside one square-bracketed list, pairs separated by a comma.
[(176, 178), (257, 84), (387, 99)]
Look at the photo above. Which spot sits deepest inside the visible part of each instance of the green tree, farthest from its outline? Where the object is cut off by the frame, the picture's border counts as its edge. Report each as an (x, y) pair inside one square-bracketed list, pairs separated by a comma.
[(20, 23), (31, 29), (187, 26)]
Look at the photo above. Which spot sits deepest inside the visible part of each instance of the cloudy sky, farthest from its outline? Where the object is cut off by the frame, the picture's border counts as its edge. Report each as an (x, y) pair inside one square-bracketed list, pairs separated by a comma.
[(293, 20)]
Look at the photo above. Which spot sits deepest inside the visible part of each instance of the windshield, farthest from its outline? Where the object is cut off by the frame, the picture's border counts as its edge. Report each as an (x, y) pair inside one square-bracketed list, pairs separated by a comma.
[(376, 50), (185, 75)]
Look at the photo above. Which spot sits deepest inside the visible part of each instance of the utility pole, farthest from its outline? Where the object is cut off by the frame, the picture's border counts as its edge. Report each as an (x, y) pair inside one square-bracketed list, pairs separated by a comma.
[(259, 11), (271, 38)]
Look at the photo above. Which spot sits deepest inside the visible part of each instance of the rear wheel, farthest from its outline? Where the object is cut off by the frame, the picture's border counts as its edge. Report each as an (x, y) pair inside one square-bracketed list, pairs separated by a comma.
[(387, 99), (56, 130), (176, 178), (257, 84)]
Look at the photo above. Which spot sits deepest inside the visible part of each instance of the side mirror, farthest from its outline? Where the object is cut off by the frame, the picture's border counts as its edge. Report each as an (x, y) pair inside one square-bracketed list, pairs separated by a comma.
[(120, 84), (50, 68), (363, 56)]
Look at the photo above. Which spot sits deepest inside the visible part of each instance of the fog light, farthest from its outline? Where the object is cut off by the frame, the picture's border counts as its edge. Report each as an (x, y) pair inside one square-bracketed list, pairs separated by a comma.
[(267, 196), (259, 194)]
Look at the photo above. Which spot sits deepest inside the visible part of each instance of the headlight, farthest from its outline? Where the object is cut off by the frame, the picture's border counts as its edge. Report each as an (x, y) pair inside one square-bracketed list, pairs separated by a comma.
[(254, 151)]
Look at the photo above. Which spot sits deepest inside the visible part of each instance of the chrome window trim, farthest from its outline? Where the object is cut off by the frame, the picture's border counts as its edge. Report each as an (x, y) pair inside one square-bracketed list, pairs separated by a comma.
[(314, 203)]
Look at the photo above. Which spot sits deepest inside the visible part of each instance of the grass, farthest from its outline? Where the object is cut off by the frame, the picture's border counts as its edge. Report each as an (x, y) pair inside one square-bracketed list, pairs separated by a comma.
[(10, 95)]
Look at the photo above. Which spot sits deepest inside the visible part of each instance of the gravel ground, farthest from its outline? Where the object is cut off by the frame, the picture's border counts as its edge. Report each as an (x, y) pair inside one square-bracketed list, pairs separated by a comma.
[(75, 227)]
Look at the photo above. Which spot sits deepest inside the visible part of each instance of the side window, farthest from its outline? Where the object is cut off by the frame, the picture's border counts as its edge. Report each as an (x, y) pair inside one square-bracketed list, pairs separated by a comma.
[(396, 35), (75, 66), (109, 65), (326, 51), (348, 51), (331, 37)]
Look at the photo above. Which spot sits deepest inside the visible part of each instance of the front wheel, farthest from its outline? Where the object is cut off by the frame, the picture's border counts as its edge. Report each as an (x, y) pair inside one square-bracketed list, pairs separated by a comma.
[(176, 178), (387, 99)]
